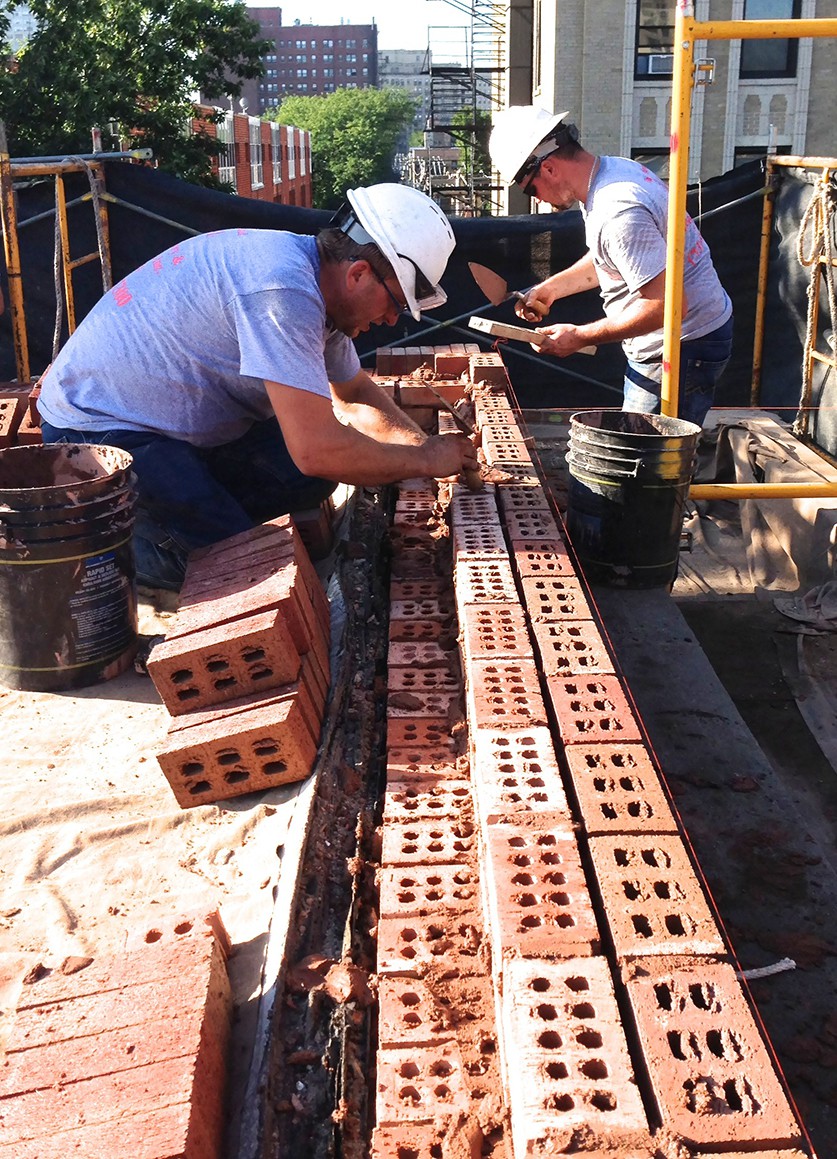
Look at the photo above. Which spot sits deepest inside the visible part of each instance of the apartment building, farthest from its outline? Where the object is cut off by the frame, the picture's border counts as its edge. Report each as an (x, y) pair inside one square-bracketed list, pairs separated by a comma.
[(260, 158), (610, 63), (407, 69), (310, 59)]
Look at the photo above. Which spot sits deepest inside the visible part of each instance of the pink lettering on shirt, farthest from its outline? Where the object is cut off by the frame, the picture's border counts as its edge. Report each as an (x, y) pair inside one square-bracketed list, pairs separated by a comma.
[(122, 294)]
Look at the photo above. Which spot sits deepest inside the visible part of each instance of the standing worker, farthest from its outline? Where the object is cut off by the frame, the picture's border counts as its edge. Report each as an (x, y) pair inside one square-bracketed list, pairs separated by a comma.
[(625, 211), (225, 366)]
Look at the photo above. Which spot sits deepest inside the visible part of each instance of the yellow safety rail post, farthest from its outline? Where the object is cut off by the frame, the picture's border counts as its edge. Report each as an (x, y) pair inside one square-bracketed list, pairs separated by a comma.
[(686, 31), (11, 252), (761, 293)]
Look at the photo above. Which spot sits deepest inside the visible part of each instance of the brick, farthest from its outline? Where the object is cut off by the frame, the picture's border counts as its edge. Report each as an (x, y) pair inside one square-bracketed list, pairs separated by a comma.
[(244, 753), (505, 454), (571, 648), (592, 709), (712, 1077), (415, 503), (28, 432), (424, 680), (542, 557), (468, 507), (495, 631), (618, 789), (478, 581), (538, 900), (423, 891), (416, 393), (480, 541), (530, 525), (494, 411), (451, 362), (415, 765), (429, 735), (522, 476), (433, 702), (652, 898), (383, 360), (316, 529), (566, 1060), (11, 408), (224, 662), (488, 368), (429, 843), (523, 501), (409, 1015), (516, 771), (420, 1085), (421, 654), (418, 630), (447, 798), (176, 1131), (408, 590), (555, 597), (504, 694), (421, 608), (411, 944)]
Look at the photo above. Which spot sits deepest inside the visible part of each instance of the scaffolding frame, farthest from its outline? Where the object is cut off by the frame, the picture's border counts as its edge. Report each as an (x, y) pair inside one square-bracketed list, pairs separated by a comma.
[(687, 31)]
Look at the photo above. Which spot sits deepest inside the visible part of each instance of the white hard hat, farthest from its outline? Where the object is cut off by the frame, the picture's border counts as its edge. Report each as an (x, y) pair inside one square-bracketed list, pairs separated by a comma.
[(516, 134), (412, 233)]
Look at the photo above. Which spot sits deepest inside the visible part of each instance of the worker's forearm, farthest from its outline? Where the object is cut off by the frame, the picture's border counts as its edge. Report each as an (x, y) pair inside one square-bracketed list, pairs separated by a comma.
[(369, 409), (574, 280), (346, 455)]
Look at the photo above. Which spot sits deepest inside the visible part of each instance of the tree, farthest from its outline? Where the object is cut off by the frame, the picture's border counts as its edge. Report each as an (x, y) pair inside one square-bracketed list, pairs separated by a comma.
[(136, 62), (353, 136)]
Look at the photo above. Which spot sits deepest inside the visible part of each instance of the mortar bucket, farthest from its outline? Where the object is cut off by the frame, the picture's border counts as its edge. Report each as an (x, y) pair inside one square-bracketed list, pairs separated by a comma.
[(68, 607), (629, 476)]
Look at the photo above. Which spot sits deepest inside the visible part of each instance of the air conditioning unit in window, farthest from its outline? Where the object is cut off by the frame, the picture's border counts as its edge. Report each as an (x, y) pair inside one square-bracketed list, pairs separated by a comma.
[(661, 64)]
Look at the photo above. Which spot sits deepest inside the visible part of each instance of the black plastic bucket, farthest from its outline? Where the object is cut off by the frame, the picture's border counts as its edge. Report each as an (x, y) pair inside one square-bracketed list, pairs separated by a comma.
[(68, 607), (629, 476)]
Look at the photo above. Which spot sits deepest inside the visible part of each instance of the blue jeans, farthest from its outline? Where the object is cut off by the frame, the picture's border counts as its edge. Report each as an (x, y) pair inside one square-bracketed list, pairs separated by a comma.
[(702, 362), (190, 497)]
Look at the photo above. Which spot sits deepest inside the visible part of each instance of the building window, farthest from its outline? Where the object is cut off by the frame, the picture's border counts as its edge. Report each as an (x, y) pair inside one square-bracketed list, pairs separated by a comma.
[(276, 152), (256, 165), (654, 39), (226, 159), (328, 44), (761, 58), (300, 44)]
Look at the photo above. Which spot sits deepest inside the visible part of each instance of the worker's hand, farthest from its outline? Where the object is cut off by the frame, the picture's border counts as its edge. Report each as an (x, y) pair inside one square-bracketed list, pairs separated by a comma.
[(535, 304), (561, 340), (448, 455)]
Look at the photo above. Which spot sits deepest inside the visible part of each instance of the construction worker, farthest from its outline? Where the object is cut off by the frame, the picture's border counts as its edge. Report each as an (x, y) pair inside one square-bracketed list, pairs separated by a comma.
[(625, 211), (225, 366)]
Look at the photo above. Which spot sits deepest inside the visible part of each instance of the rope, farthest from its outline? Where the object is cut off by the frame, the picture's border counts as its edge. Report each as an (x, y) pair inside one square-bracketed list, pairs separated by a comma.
[(107, 279), (814, 248)]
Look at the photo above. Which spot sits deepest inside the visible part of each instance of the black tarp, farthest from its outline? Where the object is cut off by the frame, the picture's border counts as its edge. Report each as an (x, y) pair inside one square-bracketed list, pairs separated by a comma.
[(523, 249)]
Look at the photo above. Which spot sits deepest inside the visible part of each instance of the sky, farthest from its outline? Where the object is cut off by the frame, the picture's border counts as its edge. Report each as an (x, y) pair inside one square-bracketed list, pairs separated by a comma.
[(401, 23)]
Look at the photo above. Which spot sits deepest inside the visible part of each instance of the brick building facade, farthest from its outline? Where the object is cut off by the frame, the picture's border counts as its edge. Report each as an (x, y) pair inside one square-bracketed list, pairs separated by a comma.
[(261, 159)]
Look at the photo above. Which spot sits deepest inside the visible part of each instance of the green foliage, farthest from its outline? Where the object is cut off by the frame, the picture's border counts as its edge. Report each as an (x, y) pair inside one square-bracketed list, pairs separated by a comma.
[(136, 62), (472, 128), (353, 136)]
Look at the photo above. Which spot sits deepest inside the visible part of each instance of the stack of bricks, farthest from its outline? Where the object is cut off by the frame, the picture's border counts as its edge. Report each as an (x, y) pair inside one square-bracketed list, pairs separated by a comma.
[(20, 423), (123, 1054), (244, 669), (590, 905)]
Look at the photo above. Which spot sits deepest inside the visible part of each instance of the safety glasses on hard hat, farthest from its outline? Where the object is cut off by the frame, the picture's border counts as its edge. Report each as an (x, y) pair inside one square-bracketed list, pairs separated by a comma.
[(427, 296)]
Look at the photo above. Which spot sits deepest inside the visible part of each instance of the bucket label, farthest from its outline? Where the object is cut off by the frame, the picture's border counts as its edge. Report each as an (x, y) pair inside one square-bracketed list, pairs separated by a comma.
[(100, 608)]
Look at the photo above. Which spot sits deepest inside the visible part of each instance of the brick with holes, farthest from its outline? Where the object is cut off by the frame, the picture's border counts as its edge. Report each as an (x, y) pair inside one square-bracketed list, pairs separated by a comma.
[(424, 890), (618, 789), (566, 1060), (426, 799), (571, 648), (653, 900), (592, 709), (515, 772), (713, 1079), (411, 944), (543, 557), (420, 1085), (495, 630), (555, 597), (478, 581), (504, 694), (429, 842)]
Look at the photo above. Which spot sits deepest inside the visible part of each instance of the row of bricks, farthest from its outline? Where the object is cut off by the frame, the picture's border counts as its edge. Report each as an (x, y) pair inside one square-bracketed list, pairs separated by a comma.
[(620, 855), (453, 361), (20, 424), (244, 669), (123, 1054), (632, 869)]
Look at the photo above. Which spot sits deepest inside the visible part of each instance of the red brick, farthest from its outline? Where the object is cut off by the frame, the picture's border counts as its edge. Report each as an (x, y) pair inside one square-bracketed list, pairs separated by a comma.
[(592, 710), (504, 694), (407, 590), (478, 581), (420, 1085), (618, 789), (494, 631), (243, 753), (571, 648), (415, 505), (542, 557), (478, 540), (523, 501), (422, 608), (566, 1060), (383, 360), (538, 900), (224, 662), (28, 432), (520, 476), (494, 411), (168, 1132), (488, 368), (429, 843), (446, 798), (11, 409), (423, 702), (421, 654), (418, 630), (316, 529), (409, 1015), (416, 393), (415, 765), (423, 890), (451, 361), (713, 1079), (555, 597), (530, 525), (429, 734), (412, 944), (469, 507), (652, 898), (424, 680), (516, 771)]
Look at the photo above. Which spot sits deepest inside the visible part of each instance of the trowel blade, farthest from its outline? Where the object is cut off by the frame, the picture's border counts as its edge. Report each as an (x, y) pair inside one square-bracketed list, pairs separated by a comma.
[(492, 285)]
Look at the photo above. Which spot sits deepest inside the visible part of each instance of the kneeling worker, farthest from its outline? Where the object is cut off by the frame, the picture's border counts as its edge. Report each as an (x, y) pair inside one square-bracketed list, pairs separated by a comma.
[(225, 366), (625, 211)]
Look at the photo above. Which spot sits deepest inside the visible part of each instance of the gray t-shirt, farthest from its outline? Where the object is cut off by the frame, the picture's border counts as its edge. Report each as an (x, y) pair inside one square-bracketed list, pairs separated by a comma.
[(182, 346), (625, 221)]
